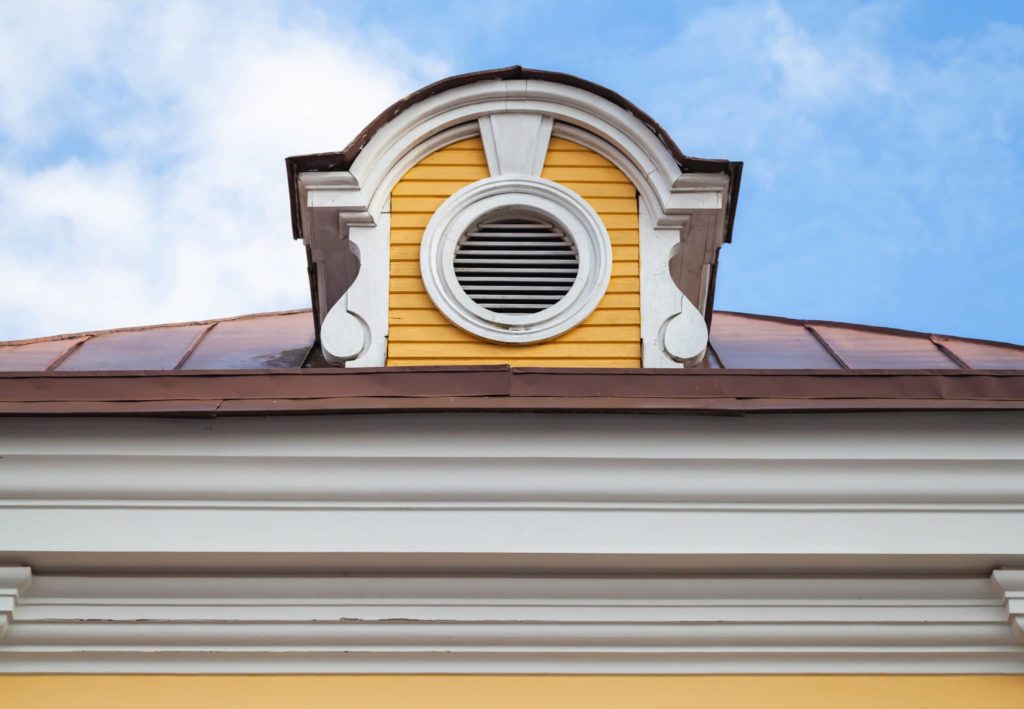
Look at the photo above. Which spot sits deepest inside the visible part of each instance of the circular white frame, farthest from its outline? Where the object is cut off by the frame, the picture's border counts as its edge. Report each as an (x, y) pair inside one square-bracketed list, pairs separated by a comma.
[(533, 194)]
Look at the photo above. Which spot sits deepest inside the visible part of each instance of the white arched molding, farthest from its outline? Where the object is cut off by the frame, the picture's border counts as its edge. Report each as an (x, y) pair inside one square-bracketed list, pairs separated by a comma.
[(669, 200)]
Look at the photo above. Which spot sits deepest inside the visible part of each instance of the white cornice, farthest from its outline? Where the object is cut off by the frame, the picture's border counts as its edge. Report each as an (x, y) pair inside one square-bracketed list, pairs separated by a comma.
[(525, 482), (14, 580), (511, 625), (940, 487), (1010, 583), (452, 495)]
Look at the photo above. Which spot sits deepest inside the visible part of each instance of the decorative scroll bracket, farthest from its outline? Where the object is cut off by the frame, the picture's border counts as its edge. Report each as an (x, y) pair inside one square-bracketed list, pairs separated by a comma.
[(350, 334), (673, 331), (346, 335)]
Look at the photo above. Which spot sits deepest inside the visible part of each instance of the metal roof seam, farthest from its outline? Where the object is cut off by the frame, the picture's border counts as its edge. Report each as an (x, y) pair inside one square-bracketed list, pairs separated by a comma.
[(949, 353), (713, 356), (67, 353), (826, 346), (200, 336)]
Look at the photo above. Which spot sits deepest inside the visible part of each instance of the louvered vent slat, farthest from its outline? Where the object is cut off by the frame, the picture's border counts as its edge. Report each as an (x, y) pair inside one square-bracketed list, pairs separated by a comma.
[(521, 265)]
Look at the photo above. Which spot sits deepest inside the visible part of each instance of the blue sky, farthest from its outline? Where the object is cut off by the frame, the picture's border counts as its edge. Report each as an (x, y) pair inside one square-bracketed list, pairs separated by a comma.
[(142, 145)]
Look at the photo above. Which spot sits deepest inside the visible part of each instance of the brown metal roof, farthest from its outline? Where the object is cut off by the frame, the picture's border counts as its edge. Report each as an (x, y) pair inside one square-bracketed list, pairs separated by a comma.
[(743, 342), (260, 341), (252, 365), (284, 340)]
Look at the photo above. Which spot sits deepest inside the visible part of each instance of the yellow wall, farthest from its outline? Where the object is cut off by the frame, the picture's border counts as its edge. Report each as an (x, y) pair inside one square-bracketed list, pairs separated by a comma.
[(419, 334), (512, 692)]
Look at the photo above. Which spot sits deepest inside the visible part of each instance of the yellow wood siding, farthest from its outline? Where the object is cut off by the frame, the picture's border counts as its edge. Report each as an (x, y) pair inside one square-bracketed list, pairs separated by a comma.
[(512, 692), (419, 334)]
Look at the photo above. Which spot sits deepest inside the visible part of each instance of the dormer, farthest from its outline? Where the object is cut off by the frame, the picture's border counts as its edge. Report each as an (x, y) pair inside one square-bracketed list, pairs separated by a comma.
[(517, 217)]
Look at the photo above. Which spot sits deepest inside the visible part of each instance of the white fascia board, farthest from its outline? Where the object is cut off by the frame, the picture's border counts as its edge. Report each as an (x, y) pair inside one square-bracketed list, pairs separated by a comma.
[(115, 529), (845, 486), (207, 625)]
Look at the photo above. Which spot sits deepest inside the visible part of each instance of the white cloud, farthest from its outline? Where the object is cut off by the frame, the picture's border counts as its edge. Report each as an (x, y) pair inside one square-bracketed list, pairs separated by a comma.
[(882, 170), (44, 48), (178, 210), (818, 68)]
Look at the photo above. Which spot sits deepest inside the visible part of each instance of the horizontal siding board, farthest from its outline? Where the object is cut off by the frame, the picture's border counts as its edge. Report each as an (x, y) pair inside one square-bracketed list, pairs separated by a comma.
[(514, 361), (420, 334), (557, 143), (422, 301), (455, 157), (619, 237), (435, 188), (429, 204), (590, 174), (411, 252), (412, 268), (576, 158), (460, 173), (606, 206), (487, 349), (444, 333), (434, 317), (426, 205), (602, 189), (412, 284), (404, 218), (418, 220)]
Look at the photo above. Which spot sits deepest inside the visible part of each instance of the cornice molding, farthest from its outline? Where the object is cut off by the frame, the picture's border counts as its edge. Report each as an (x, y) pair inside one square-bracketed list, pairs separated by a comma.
[(14, 581), (944, 489), (1010, 583), (623, 484), (510, 625)]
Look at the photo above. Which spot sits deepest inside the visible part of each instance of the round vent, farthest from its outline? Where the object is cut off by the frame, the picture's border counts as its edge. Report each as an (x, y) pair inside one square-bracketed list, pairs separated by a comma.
[(516, 264), (515, 259)]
